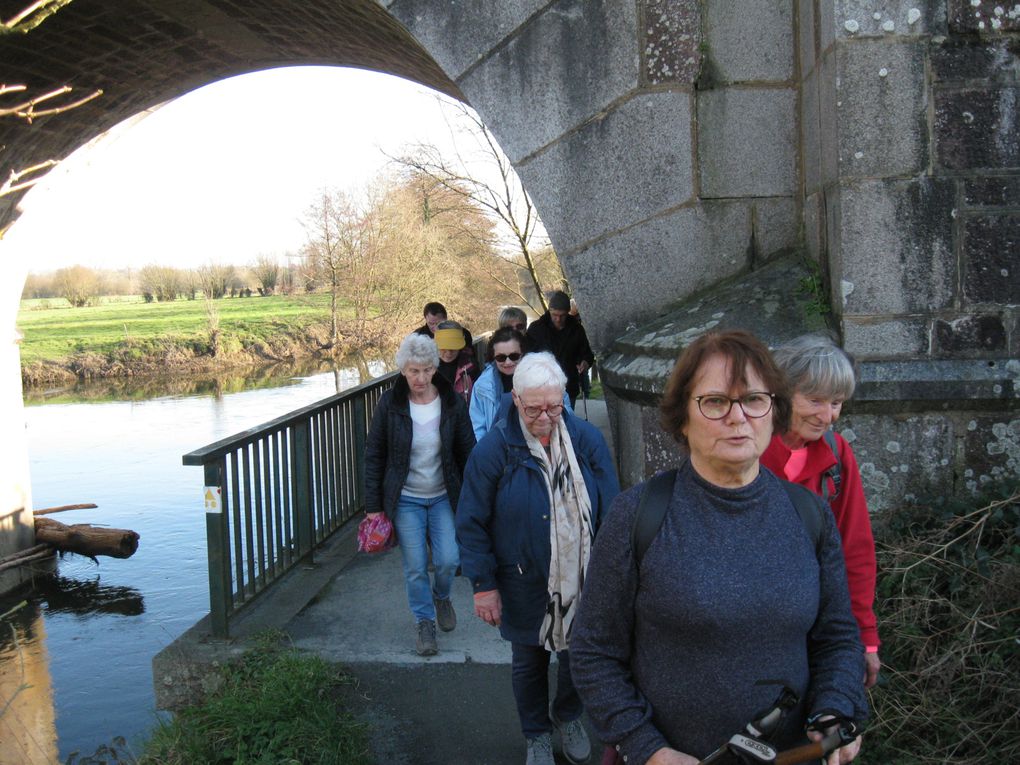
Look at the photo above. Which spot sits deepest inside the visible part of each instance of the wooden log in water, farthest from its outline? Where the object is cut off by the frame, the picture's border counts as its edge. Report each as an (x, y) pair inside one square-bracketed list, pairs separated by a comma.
[(85, 539)]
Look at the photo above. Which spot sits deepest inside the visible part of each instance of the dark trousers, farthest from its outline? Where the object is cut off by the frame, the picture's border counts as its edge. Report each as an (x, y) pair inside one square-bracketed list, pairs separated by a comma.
[(531, 689)]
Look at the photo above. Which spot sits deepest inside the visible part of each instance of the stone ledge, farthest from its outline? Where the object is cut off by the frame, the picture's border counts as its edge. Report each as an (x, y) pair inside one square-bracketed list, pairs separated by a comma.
[(915, 386), (765, 300)]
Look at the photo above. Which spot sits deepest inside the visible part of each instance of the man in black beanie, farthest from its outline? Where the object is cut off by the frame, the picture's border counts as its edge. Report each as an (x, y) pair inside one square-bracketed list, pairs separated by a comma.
[(562, 335)]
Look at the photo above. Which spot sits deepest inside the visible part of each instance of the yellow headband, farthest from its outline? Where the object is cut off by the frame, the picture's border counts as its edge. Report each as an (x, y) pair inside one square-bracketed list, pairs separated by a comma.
[(450, 339)]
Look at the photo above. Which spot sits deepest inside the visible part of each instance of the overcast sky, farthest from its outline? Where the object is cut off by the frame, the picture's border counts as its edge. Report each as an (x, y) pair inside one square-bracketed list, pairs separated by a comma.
[(223, 173)]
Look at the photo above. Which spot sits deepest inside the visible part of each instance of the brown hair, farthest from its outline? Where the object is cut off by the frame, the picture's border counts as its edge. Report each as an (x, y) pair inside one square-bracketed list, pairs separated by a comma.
[(741, 349)]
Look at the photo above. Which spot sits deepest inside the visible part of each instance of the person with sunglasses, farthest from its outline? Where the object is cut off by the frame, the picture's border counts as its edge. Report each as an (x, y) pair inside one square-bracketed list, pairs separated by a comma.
[(490, 396), (671, 644), (536, 489)]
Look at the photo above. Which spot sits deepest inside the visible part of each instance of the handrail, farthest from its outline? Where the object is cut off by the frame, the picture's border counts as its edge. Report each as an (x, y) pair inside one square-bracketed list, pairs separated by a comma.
[(276, 491), (225, 445)]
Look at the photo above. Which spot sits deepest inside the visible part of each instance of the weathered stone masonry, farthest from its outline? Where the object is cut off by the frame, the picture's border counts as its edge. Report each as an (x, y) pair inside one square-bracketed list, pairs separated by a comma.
[(670, 146)]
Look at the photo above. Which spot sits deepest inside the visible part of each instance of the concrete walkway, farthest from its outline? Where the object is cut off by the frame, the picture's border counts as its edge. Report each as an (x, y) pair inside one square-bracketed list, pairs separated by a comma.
[(455, 708)]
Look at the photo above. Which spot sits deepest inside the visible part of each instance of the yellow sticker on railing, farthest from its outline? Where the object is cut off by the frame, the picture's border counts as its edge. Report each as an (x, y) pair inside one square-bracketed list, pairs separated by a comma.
[(212, 499)]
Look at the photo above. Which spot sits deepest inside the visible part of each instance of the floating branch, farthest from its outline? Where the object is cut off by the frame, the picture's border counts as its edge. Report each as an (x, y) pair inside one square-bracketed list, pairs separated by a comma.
[(64, 508)]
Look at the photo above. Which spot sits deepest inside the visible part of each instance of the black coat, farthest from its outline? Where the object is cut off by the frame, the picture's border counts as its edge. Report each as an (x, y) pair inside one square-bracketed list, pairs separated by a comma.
[(388, 451), (569, 345)]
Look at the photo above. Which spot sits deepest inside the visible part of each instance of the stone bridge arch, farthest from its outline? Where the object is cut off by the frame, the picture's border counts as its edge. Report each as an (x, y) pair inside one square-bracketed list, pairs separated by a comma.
[(671, 145)]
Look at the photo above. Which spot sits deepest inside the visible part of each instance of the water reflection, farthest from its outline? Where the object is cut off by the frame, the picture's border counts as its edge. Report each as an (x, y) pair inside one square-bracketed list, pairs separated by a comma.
[(364, 367), (119, 445), (85, 598), (28, 732)]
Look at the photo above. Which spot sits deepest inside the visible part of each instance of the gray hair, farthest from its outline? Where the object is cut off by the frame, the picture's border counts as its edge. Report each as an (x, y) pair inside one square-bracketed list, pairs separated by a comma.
[(512, 315), (815, 365), (417, 349), (538, 370)]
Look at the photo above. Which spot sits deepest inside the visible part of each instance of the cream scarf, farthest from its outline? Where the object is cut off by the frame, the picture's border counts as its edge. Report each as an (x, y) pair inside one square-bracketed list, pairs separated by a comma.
[(570, 533)]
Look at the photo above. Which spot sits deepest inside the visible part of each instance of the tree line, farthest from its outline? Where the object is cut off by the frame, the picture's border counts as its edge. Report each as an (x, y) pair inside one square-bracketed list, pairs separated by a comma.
[(85, 286), (460, 231)]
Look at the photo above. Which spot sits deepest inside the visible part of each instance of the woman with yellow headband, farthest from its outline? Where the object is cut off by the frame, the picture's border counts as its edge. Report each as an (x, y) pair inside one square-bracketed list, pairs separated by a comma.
[(456, 359)]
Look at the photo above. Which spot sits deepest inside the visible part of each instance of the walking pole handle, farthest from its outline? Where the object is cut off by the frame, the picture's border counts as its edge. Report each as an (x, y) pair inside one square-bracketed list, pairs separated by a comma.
[(816, 750)]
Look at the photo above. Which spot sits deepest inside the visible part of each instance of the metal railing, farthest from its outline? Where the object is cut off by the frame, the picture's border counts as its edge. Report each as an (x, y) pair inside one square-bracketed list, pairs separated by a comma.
[(276, 491)]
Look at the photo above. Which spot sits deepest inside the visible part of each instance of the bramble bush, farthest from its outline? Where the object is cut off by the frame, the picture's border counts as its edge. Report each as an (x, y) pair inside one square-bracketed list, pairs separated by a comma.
[(949, 611)]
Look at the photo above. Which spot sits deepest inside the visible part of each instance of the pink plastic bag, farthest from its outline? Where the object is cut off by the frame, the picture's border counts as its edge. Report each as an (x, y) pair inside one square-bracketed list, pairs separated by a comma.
[(376, 534)]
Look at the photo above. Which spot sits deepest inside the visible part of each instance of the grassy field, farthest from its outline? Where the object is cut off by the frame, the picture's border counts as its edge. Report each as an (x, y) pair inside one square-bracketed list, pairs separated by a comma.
[(59, 331)]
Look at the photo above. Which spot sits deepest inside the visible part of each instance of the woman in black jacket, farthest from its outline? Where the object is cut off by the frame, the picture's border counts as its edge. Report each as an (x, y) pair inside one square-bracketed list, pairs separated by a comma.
[(418, 445)]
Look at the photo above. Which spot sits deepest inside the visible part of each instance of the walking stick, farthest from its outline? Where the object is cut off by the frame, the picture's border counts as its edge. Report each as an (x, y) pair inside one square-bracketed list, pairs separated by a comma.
[(751, 747)]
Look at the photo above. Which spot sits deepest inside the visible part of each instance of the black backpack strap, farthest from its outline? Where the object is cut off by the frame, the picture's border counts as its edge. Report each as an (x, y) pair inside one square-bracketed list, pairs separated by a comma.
[(810, 511), (833, 472), (651, 512)]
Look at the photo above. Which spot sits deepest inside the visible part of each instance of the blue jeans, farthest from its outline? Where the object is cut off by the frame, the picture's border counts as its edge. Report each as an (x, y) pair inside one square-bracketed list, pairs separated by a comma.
[(530, 668), (418, 518)]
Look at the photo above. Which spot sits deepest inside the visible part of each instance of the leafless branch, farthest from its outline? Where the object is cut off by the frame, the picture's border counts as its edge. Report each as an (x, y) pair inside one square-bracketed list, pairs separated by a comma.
[(32, 16), (13, 184)]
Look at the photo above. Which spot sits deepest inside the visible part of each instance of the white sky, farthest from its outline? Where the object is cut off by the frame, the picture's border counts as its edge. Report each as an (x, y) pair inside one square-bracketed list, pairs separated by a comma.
[(224, 173)]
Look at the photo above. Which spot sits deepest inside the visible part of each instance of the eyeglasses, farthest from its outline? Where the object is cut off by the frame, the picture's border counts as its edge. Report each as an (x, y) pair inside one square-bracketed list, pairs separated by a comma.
[(533, 412), (518, 327), (755, 404), (503, 357)]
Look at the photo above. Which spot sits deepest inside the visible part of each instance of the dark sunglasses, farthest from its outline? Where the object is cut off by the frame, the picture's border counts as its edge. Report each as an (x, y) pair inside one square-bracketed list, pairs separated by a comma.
[(503, 357)]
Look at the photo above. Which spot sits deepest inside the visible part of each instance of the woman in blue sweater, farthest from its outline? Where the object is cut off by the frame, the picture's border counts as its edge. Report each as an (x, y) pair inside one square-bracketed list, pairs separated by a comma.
[(667, 650)]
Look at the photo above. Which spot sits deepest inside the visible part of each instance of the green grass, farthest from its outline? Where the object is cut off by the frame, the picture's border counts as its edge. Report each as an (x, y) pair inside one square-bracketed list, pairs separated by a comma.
[(276, 706), (55, 334)]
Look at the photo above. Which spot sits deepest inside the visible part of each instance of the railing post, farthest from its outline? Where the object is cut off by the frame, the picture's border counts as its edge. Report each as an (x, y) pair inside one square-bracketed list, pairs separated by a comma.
[(218, 547), (359, 439), (301, 477)]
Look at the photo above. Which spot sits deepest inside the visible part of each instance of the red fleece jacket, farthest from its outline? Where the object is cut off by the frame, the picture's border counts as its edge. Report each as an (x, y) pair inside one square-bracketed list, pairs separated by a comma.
[(852, 519)]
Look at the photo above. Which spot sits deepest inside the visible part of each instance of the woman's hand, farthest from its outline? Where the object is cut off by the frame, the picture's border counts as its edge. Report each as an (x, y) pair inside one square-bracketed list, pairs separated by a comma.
[(842, 755), (667, 756), (489, 607), (871, 666)]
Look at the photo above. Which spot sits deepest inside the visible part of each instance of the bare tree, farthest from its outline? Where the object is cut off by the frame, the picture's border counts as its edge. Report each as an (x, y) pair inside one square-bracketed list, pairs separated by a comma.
[(79, 285), (266, 270), (488, 180), (160, 283), (214, 279)]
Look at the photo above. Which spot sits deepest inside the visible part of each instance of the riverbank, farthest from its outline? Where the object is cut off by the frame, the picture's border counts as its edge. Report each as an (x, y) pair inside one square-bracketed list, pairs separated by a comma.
[(124, 338)]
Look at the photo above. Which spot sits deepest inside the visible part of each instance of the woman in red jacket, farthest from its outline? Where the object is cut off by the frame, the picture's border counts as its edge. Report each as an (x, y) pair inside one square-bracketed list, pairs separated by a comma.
[(821, 375)]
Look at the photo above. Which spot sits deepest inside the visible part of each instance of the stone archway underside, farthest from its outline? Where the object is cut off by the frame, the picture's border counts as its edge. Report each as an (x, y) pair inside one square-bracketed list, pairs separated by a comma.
[(671, 145), (142, 53)]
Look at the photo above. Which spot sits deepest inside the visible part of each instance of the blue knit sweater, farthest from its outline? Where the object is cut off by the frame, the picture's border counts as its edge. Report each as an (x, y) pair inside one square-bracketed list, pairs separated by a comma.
[(729, 592)]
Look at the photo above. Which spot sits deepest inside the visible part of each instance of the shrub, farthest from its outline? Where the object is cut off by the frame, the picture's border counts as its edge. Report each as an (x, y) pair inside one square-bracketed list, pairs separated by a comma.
[(949, 610)]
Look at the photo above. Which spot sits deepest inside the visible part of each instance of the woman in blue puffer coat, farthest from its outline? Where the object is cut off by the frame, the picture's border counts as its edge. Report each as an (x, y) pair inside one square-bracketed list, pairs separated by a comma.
[(535, 490)]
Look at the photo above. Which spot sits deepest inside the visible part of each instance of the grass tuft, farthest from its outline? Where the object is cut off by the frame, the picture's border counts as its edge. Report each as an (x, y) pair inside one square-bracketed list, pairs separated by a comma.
[(275, 705)]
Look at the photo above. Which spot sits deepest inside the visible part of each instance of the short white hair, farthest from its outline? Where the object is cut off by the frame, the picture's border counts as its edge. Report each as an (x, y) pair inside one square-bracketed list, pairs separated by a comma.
[(816, 366), (417, 349), (538, 370)]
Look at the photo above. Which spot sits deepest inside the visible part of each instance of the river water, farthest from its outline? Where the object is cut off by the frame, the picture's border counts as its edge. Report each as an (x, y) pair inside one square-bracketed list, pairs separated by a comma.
[(84, 641)]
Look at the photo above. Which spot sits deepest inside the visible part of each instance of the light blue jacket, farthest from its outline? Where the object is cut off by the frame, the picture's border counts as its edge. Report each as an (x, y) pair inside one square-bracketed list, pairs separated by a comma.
[(487, 401)]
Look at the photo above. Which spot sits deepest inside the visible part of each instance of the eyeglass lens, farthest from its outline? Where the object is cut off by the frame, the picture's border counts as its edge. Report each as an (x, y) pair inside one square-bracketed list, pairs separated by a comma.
[(753, 404), (535, 411)]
